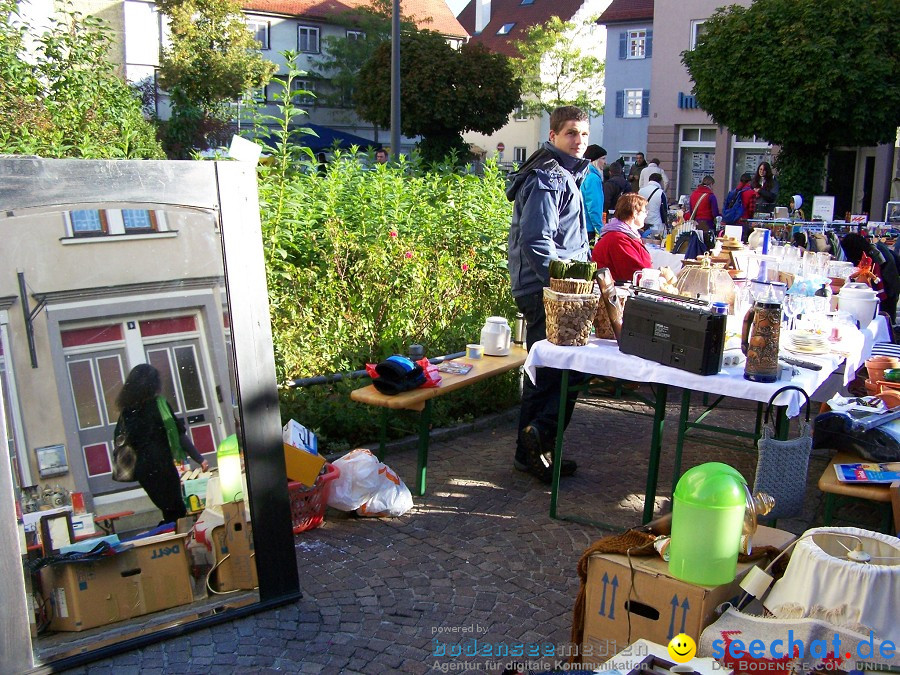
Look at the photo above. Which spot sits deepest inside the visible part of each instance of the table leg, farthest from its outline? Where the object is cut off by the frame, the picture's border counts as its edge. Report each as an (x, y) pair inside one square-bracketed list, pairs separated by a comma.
[(659, 418), (382, 435), (424, 432), (557, 449), (781, 422), (682, 430)]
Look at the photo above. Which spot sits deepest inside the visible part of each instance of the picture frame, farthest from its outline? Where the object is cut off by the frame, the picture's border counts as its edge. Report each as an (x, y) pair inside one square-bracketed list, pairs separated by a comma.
[(892, 213), (52, 460)]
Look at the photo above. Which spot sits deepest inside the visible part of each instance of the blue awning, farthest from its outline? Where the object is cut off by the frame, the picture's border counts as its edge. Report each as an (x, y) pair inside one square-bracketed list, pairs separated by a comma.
[(328, 137)]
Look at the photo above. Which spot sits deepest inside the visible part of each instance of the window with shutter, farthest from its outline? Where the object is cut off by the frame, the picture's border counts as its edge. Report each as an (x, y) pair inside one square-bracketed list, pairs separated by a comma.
[(623, 45), (620, 103), (649, 52), (645, 103)]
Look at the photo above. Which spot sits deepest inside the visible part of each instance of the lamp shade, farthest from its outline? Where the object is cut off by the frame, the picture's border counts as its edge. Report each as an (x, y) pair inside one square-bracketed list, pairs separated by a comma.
[(822, 581), (228, 458)]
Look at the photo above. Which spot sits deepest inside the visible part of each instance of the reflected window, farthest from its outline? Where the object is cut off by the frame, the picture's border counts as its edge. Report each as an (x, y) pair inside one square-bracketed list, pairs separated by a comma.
[(87, 405), (88, 222), (191, 388), (96, 458), (159, 359), (140, 220)]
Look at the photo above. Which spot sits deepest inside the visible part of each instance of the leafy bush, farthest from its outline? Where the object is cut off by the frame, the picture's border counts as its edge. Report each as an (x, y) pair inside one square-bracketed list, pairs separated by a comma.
[(370, 258)]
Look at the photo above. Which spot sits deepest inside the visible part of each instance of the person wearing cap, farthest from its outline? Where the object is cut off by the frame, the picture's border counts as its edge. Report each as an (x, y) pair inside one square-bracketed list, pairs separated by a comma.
[(592, 191)]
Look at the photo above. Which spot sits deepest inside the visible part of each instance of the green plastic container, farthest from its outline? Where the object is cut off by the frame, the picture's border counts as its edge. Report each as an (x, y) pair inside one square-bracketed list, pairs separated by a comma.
[(707, 521)]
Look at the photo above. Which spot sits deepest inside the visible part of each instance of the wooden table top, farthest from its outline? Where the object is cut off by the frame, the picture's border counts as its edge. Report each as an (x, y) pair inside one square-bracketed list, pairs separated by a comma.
[(415, 399)]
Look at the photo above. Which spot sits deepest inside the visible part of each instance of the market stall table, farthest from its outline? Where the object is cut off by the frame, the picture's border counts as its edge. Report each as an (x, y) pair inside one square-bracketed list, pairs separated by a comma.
[(603, 358)]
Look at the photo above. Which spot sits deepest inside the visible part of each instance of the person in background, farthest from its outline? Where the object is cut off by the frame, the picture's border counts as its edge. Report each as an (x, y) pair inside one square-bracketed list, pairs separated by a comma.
[(766, 188), (322, 168), (592, 191), (381, 156), (657, 205), (547, 224), (794, 210), (620, 247), (634, 173), (704, 206), (158, 438), (614, 186), (884, 266), (748, 201), (652, 168)]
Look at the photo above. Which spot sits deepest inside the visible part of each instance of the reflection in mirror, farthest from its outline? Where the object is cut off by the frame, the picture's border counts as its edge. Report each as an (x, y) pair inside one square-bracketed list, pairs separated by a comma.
[(88, 292)]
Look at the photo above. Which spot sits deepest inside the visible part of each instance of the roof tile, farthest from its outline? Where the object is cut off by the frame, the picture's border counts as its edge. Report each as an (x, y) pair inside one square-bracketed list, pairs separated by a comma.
[(627, 10), (513, 11)]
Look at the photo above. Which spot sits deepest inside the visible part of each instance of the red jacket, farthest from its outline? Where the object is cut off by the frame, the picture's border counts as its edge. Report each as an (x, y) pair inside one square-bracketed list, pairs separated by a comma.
[(709, 207), (748, 199), (623, 255)]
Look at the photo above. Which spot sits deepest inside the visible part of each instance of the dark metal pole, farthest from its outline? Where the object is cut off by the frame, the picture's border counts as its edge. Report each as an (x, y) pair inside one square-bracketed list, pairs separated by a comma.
[(395, 79)]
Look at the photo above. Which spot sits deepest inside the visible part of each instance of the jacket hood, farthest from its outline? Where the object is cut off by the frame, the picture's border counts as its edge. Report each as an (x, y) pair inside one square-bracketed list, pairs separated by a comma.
[(546, 157), (798, 201), (616, 225)]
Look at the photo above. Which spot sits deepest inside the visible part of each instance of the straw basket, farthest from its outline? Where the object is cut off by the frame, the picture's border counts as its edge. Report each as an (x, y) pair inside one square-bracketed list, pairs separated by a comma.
[(570, 316), (579, 286), (603, 328)]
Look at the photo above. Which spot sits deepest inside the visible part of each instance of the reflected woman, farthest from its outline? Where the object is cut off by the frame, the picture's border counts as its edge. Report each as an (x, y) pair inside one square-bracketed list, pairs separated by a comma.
[(158, 438)]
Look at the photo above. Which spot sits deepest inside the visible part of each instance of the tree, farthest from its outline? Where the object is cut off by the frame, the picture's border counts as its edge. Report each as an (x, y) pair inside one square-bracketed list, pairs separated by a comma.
[(62, 98), (344, 56), (444, 91), (807, 75), (556, 71), (212, 61)]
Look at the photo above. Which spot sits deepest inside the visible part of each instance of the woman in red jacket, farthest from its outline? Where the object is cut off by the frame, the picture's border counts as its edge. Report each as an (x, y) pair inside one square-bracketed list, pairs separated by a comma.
[(620, 247), (704, 206)]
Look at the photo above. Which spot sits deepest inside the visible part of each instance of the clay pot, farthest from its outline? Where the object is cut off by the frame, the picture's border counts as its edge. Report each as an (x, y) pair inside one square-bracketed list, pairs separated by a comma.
[(890, 397), (884, 385), (876, 366), (871, 388)]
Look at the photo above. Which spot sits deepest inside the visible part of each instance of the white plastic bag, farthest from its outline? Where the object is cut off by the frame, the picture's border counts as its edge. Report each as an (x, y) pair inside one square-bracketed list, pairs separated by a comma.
[(368, 487)]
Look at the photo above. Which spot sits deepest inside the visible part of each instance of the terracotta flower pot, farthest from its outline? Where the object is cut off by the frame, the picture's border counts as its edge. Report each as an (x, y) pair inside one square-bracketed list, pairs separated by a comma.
[(876, 366), (871, 388)]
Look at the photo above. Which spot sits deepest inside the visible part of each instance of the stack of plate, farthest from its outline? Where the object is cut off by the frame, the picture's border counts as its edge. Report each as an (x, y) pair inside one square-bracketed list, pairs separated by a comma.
[(807, 342)]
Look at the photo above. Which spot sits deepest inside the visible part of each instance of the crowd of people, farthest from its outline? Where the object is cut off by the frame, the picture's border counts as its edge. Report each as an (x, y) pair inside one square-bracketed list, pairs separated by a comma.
[(570, 204)]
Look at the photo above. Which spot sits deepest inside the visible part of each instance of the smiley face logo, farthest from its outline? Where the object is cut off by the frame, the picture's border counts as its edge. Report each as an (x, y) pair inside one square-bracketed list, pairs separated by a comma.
[(682, 648)]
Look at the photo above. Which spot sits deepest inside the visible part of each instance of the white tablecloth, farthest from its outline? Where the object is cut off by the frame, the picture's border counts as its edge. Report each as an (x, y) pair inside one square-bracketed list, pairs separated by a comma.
[(602, 357)]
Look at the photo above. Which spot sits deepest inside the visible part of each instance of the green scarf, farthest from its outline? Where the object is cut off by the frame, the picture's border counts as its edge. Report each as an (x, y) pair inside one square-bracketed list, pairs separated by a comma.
[(178, 452)]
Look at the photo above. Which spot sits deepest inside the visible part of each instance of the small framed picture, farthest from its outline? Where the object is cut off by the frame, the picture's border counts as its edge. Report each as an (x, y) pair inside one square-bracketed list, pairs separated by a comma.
[(52, 460), (892, 212)]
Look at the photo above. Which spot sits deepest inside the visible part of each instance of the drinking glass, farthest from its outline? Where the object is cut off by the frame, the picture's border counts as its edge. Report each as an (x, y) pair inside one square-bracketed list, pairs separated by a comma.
[(793, 305)]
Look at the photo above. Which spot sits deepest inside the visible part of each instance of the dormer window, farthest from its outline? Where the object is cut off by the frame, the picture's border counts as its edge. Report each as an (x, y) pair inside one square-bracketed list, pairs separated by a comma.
[(506, 28)]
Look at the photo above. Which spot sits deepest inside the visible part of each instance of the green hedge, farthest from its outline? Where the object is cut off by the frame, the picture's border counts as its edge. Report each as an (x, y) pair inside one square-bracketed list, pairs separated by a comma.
[(368, 259)]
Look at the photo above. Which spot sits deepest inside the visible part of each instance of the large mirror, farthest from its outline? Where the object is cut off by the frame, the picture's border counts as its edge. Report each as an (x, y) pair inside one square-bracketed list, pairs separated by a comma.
[(107, 266)]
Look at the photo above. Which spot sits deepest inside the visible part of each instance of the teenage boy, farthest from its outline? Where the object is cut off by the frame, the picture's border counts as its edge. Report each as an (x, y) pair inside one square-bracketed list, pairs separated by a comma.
[(548, 223)]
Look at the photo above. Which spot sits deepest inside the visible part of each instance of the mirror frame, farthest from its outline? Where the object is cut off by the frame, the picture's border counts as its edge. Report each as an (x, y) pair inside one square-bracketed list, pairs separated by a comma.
[(228, 190)]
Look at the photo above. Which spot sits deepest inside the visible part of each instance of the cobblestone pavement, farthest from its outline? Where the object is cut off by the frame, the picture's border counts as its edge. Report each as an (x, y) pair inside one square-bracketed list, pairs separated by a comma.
[(478, 557)]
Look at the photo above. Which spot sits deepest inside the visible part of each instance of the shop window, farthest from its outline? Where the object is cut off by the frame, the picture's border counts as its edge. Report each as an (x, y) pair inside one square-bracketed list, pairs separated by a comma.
[(697, 157)]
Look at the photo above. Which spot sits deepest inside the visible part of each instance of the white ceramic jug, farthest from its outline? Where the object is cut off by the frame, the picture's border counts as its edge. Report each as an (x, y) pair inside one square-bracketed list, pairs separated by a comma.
[(495, 336), (860, 301)]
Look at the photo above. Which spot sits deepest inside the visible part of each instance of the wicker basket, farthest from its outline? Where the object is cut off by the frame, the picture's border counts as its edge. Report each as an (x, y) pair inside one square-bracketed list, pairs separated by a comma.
[(602, 325), (570, 317), (579, 286), (308, 504)]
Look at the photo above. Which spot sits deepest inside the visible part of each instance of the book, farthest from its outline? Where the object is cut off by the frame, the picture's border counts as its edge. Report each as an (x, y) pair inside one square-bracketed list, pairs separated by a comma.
[(868, 472), (454, 367)]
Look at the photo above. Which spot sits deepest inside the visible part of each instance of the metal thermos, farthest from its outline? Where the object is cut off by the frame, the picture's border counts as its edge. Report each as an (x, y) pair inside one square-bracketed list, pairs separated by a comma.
[(519, 335)]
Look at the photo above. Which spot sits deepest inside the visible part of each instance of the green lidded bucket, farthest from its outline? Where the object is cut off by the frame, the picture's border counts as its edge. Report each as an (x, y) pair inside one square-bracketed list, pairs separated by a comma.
[(707, 521)]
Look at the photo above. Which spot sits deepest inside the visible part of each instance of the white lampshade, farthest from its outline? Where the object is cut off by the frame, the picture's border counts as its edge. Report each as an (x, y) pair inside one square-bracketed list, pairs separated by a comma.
[(823, 582)]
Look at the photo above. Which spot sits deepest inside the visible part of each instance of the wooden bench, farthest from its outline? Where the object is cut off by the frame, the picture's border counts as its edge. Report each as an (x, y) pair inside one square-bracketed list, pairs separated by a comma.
[(834, 489), (420, 399)]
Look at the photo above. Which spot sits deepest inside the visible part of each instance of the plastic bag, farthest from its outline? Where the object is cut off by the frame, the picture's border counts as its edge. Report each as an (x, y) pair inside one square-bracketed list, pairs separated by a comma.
[(368, 487)]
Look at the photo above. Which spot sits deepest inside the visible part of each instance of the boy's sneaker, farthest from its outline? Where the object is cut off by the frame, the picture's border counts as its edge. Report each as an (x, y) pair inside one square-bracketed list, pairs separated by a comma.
[(540, 460)]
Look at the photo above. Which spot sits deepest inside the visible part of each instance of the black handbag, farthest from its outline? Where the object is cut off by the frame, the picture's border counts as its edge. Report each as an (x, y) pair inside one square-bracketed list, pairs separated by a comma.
[(124, 456)]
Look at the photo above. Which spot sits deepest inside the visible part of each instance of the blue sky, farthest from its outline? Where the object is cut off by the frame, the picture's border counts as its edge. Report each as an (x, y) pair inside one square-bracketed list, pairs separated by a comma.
[(456, 6)]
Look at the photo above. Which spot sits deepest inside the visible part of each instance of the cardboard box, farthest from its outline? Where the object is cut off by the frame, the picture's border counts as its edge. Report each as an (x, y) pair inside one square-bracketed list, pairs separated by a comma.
[(658, 605), (301, 466), (150, 576), (234, 552)]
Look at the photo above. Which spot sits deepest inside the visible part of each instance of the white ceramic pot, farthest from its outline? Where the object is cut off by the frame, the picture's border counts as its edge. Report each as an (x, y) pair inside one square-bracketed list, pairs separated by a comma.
[(860, 301), (496, 336)]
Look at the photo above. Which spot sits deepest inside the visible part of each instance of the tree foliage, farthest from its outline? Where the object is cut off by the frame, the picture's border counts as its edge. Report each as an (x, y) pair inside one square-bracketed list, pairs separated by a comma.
[(212, 61), (807, 75), (343, 56), (62, 97), (444, 91), (556, 71)]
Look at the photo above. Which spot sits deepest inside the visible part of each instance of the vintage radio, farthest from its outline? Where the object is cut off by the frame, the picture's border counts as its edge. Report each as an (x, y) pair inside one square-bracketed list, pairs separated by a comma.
[(677, 332)]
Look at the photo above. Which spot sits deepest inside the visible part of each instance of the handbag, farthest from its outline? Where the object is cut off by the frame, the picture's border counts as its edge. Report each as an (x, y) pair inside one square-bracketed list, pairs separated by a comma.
[(783, 465), (124, 456), (877, 440)]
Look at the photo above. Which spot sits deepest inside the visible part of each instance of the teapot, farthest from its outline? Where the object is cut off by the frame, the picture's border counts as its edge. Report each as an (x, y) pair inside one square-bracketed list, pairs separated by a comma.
[(761, 349), (496, 336), (860, 301)]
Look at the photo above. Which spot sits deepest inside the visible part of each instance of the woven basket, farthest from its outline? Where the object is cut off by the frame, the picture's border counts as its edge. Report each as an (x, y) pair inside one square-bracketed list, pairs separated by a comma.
[(570, 317), (578, 286), (602, 325)]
